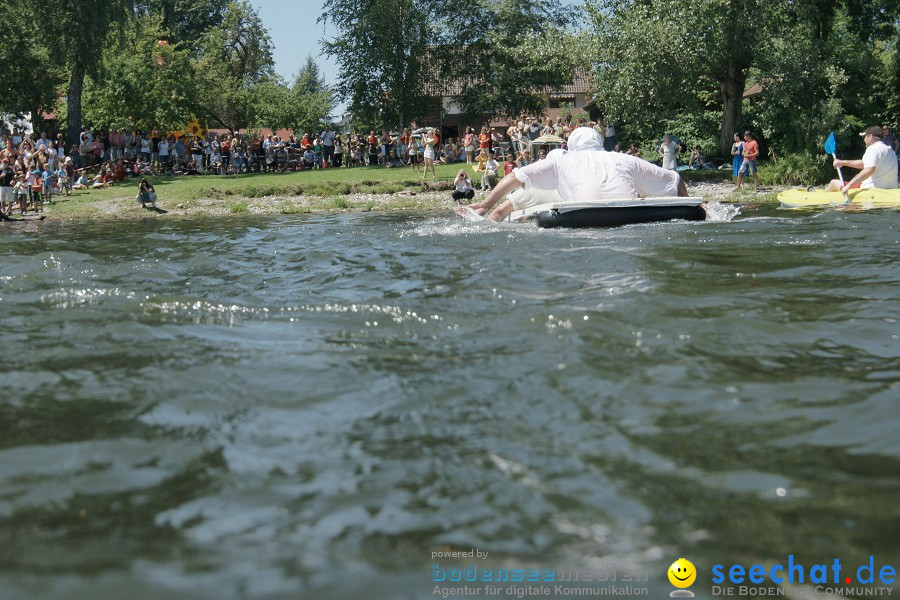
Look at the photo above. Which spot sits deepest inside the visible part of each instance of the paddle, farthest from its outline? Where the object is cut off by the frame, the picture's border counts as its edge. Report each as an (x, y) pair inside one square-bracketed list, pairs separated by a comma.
[(830, 148)]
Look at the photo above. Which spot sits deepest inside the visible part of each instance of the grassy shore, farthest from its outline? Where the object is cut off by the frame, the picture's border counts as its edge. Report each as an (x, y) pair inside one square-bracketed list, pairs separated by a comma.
[(359, 189)]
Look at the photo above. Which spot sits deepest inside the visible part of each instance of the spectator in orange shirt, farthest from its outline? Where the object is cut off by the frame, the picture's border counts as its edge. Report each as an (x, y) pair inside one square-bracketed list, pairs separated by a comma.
[(748, 166)]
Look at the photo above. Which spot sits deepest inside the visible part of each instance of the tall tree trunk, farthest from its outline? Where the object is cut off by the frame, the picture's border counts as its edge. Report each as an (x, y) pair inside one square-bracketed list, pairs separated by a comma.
[(732, 98), (73, 103)]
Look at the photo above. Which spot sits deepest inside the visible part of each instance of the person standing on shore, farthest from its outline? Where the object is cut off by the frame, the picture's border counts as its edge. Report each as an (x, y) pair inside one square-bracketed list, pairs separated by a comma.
[(737, 153), (328, 147), (748, 165), (668, 150), (7, 177), (878, 166), (430, 142), (469, 145)]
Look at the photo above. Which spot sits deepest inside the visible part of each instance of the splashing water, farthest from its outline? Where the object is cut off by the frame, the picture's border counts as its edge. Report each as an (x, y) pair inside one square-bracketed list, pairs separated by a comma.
[(716, 212)]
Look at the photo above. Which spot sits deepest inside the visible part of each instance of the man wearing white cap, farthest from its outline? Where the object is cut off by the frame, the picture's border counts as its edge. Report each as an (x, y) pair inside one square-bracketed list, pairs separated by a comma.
[(585, 173), (878, 164)]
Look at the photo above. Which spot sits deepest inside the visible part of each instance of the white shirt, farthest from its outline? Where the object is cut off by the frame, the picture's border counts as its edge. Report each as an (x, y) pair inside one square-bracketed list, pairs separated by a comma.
[(596, 175), (882, 157), (670, 154), (464, 185), (163, 148)]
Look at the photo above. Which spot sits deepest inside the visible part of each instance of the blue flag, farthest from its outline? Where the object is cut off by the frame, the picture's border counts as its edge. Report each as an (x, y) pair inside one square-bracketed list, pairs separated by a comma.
[(830, 144)]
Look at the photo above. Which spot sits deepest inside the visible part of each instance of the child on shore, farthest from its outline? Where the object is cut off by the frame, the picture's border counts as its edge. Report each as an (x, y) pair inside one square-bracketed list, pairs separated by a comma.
[(47, 184), (82, 181), (62, 178), (480, 161), (37, 184), (509, 165), (21, 189), (413, 152)]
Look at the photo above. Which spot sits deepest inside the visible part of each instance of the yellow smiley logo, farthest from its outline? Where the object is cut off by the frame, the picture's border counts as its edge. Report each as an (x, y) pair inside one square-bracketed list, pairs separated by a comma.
[(682, 573)]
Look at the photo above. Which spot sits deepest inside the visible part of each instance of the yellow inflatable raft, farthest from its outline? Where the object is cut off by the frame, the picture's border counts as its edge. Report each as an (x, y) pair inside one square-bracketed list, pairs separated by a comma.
[(861, 198)]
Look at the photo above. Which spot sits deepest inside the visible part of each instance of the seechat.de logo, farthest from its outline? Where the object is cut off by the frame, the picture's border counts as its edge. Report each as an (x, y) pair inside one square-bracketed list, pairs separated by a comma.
[(682, 575)]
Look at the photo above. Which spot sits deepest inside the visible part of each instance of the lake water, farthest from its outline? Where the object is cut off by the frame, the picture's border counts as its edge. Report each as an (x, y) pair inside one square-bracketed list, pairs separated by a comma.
[(309, 406)]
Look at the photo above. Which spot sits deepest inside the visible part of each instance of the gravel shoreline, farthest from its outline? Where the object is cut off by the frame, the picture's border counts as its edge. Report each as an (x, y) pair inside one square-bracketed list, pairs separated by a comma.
[(404, 201)]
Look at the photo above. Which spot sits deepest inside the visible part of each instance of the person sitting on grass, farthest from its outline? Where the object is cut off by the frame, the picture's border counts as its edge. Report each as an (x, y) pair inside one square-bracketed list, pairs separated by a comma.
[(100, 180), (215, 162), (463, 186), (524, 158), (696, 161), (82, 181), (192, 168), (119, 172), (481, 160), (309, 158), (146, 194), (392, 160), (489, 178)]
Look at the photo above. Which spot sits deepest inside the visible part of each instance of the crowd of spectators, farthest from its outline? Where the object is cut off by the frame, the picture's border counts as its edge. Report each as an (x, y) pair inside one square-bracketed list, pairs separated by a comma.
[(36, 167)]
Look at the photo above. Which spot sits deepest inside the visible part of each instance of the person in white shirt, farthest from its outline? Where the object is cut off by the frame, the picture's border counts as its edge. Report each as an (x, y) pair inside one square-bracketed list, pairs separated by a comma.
[(585, 173), (668, 150), (463, 187), (878, 165), (489, 177)]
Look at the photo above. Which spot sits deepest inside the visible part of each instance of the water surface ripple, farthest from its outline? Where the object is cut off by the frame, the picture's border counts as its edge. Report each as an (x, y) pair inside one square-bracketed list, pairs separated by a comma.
[(307, 407)]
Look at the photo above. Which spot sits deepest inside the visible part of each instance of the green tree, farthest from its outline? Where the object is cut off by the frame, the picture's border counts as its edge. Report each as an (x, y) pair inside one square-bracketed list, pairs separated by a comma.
[(399, 58), (664, 58), (380, 48), (141, 82), (277, 105), (235, 57), (826, 71), (312, 99), (309, 79), (503, 56), (28, 78), (185, 21), (822, 65), (78, 31)]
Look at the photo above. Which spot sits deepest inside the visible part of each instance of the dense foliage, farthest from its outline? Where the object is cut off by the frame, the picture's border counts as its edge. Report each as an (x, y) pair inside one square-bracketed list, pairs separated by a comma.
[(400, 58), (660, 65), (669, 65), (151, 64)]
